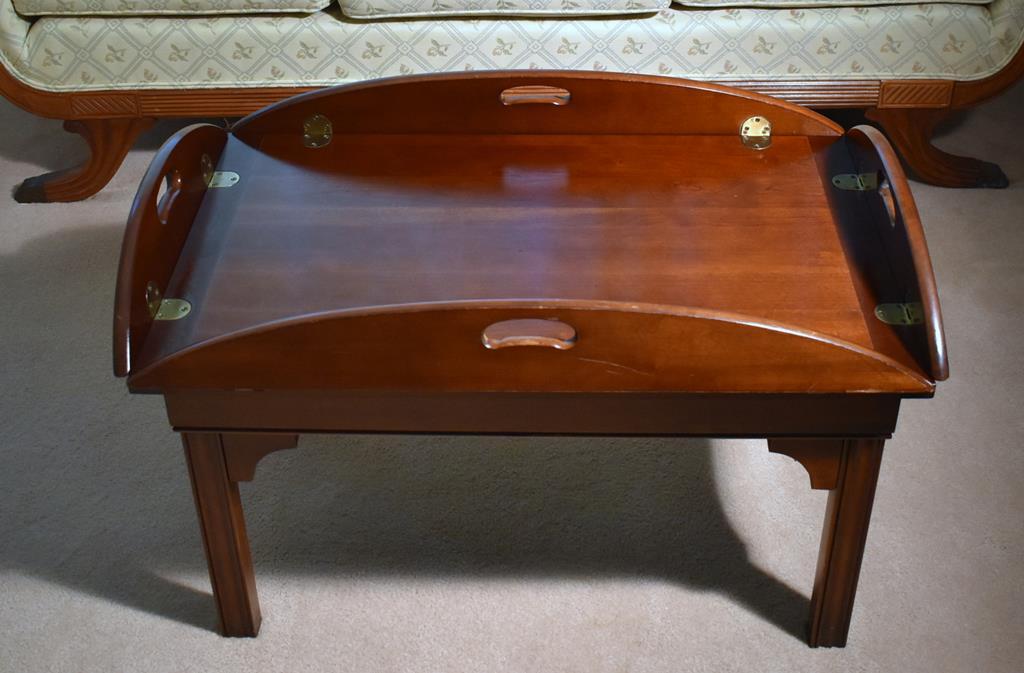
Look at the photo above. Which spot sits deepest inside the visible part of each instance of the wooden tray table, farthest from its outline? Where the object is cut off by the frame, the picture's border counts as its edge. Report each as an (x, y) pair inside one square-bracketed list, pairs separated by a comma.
[(540, 253)]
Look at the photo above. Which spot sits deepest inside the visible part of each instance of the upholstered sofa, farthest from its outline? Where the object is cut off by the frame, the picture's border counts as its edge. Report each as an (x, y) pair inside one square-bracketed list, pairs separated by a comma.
[(110, 67)]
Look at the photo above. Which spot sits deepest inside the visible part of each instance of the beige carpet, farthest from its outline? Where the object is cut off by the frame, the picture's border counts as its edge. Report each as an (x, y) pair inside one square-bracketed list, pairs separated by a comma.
[(423, 554)]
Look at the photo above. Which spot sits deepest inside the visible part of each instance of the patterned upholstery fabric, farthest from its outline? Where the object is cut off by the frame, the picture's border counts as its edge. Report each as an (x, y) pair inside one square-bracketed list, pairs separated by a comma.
[(157, 7), (919, 41), (383, 9), (784, 4)]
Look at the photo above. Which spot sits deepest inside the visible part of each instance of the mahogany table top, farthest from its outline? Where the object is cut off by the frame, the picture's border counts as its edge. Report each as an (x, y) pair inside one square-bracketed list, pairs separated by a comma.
[(383, 222)]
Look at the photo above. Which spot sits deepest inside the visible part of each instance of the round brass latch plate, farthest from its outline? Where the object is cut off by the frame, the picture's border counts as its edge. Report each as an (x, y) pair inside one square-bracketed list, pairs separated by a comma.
[(317, 131), (756, 133)]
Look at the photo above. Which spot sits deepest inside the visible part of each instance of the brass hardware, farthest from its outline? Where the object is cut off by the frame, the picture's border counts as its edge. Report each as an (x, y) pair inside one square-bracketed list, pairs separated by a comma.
[(864, 182), (756, 133), (856, 182), (173, 309), (550, 95), (165, 309), (221, 179), (217, 179), (317, 131), (900, 314)]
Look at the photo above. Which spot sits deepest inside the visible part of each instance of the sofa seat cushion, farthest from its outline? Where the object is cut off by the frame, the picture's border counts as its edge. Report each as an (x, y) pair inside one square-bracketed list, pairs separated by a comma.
[(787, 4), (158, 7), (384, 9), (941, 41)]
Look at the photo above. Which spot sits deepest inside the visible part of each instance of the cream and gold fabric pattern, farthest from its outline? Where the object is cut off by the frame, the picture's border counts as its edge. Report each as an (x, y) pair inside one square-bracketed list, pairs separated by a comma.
[(947, 41), (784, 4), (166, 7), (384, 9)]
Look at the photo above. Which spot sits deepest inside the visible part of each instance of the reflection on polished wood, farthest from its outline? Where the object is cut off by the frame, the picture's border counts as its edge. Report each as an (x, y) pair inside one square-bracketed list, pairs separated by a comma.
[(576, 268)]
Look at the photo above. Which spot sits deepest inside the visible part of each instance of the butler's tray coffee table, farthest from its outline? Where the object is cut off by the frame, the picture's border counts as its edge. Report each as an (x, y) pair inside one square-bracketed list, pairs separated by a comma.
[(542, 253)]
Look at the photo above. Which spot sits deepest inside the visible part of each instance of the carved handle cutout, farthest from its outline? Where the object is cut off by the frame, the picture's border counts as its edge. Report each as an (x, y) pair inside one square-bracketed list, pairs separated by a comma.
[(888, 200), (529, 332), (535, 94), (171, 190)]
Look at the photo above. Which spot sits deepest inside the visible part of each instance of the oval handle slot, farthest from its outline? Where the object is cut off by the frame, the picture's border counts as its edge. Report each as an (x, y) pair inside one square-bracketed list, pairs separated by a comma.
[(173, 187), (529, 332), (535, 94), (888, 200)]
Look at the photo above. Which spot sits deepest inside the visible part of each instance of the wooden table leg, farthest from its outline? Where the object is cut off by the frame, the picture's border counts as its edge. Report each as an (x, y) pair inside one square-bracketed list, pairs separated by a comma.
[(224, 538), (842, 541)]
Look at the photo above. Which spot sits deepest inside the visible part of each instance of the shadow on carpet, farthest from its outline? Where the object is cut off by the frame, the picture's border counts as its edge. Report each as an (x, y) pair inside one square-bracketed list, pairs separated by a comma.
[(96, 496)]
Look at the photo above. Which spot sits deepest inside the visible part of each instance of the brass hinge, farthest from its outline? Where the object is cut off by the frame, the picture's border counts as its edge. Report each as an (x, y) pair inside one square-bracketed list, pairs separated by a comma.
[(217, 179), (165, 309), (220, 179), (756, 133), (857, 182), (900, 314), (317, 131)]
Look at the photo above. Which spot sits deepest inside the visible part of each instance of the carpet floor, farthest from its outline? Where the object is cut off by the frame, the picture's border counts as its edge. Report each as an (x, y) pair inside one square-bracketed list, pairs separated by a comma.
[(424, 554)]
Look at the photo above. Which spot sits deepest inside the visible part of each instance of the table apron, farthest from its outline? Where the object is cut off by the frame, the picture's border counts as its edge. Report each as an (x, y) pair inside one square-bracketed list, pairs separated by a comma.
[(705, 415)]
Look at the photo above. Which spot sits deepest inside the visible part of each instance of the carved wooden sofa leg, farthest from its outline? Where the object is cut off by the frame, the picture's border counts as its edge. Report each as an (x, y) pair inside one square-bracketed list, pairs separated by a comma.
[(109, 141), (910, 131), (848, 469), (216, 463)]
